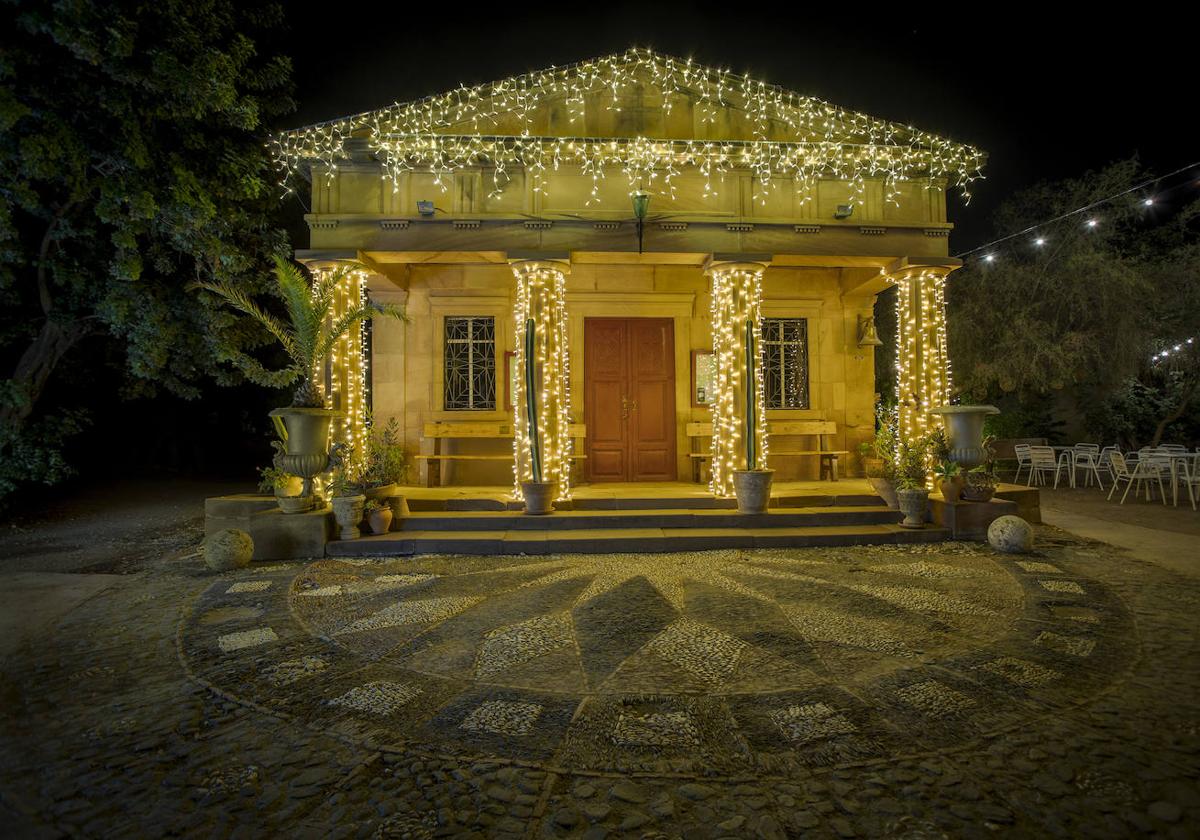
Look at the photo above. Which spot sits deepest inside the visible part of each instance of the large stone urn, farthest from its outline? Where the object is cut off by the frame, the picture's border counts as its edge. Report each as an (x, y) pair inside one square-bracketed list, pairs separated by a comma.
[(306, 442), (964, 429)]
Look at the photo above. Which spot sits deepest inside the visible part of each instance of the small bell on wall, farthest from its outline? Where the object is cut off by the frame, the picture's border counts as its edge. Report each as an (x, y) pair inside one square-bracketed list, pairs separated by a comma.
[(867, 337)]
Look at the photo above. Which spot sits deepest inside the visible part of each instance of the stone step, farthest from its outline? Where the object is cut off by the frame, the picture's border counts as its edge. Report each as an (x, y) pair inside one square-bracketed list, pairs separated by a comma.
[(601, 541), (572, 520), (696, 502)]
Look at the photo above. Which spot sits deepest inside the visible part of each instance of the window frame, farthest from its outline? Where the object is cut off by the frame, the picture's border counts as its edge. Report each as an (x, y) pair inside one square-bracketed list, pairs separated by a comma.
[(472, 343), (803, 343)]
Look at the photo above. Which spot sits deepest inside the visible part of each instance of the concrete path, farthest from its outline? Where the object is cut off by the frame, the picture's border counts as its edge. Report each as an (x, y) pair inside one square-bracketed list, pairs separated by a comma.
[(1167, 542)]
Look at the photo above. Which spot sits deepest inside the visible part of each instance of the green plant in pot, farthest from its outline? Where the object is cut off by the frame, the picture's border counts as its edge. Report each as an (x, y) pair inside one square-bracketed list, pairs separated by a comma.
[(949, 476), (385, 467), (752, 486), (286, 488), (911, 492), (379, 515), (347, 499), (539, 495), (307, 333), (982, 481), (881, 471)]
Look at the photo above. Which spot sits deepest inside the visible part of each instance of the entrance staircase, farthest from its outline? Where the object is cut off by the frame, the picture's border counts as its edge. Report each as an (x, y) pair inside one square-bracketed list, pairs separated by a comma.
[(493, 525)]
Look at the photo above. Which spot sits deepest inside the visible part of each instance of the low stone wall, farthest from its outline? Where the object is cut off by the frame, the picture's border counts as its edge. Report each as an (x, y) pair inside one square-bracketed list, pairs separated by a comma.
[(277, 535)]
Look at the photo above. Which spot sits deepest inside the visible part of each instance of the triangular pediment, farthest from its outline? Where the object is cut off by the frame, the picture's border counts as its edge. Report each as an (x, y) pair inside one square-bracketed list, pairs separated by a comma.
[(642, 112)]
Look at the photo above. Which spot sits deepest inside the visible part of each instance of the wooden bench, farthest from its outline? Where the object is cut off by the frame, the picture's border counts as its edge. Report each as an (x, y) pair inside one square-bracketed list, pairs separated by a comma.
[(820, 429), (472, 430)]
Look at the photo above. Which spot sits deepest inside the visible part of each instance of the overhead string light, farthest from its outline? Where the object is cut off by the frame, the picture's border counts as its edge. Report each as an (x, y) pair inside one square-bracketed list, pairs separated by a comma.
[(1085, 216), (1168, 352), (497, 125)]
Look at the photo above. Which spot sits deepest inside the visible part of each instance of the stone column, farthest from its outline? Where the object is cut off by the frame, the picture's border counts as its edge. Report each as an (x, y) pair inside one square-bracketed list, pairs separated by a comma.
[(922, 363), (541, 297), (736, 297), (343, 375)]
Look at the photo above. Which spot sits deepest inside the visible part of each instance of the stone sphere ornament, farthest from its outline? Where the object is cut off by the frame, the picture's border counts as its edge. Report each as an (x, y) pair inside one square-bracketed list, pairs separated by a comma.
[(1011, 535), (228, 549)]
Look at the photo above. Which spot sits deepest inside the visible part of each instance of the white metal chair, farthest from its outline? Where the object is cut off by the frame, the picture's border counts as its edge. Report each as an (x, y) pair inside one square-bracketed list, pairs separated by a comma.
[(1042, 461), (1191, 479), (1087, 458), (1105, 458), (1143, 470), (1022, 452)]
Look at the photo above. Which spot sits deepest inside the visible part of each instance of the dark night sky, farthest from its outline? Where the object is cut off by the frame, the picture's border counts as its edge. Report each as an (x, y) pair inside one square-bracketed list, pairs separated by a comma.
[(1044, 100)]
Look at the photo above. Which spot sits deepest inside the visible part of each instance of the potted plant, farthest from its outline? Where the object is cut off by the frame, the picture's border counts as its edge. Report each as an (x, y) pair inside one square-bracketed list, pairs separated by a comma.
[(347, 503), (379, 515), (881, 470), (910, 482), (384, 467), (949, 476), (539, 495), (752, 486), (308, 334), (288, 490), (982, 481)]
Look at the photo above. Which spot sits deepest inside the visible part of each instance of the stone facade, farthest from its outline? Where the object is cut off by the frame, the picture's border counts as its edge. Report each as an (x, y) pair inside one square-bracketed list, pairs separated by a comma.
[(822, 266)]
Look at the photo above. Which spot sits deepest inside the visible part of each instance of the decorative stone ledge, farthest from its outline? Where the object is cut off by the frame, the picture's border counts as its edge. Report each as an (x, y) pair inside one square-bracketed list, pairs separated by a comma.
[(872, 230), (672, 226), (739, 227), (807, 228), (937, 232), (322, 224), (538, 224), (606, 225), (466, 224), (394, 224)]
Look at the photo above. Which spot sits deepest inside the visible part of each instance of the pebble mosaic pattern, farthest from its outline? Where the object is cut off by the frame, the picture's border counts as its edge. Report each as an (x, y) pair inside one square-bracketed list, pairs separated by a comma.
[(667, 662), (249, 586), (509, 646), (701, 651), (379, 698), (411, 612), (801, 724), (657, 729), (1068, 586), (501, 717), (246, 638), (935, 699)]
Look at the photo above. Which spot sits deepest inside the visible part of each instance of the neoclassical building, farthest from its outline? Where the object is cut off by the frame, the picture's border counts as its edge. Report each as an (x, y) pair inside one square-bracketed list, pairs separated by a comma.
[(609, 201)]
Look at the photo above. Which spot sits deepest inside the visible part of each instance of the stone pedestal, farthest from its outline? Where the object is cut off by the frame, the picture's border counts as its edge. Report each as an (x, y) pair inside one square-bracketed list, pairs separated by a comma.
[(276, 535), (969, 520)]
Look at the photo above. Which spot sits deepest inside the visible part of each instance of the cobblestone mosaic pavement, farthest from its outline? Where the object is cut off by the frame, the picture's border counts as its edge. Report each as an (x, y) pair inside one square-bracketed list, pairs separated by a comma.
[(906, 691)]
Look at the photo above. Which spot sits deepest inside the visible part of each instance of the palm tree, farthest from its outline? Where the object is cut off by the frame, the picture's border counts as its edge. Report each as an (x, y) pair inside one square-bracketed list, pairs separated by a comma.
[(308, 333)]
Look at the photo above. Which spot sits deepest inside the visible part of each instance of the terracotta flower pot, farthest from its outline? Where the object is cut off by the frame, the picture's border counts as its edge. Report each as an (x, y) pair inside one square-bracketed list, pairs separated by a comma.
[(539, 496), (913, 504), (952, 488), (380, 520), (399, 506), (753, 490)]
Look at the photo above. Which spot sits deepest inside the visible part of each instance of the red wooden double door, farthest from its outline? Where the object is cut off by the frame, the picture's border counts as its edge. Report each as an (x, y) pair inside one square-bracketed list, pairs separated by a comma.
[(629, 398)]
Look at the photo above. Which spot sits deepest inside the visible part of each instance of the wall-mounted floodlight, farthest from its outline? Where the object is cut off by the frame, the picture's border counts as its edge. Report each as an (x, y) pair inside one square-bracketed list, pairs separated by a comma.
[(425, 208), (843, 211)]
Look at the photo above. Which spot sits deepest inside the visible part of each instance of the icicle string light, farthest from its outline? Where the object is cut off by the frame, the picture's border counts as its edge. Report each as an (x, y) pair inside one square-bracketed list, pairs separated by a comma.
[(497, 125), (736, 296), (541, 295)]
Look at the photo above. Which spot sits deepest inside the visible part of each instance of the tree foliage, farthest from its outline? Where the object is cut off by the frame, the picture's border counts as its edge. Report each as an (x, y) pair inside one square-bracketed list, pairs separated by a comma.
[(310, 331), (131, 164), (1082, 313)]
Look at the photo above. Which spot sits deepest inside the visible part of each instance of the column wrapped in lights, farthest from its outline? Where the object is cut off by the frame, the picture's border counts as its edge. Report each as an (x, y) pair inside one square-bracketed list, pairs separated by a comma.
[(922, 362), (541, 296), (736, 296), (346, 369)]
